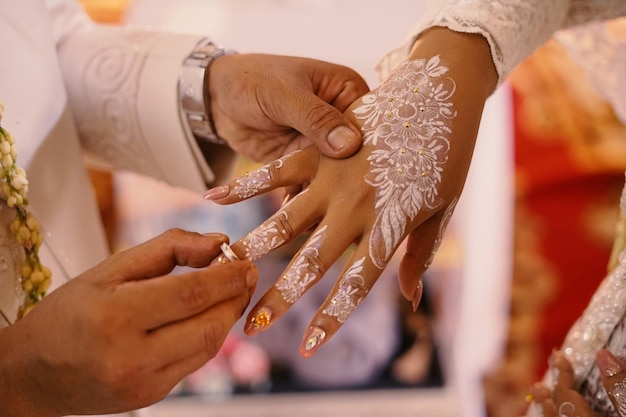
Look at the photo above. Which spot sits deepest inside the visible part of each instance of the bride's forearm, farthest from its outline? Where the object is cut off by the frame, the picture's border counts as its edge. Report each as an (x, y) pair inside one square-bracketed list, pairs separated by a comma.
[(467, 55)]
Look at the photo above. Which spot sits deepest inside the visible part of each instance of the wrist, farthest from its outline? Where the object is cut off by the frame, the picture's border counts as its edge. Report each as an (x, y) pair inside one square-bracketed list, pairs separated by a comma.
[(15, 394), (467, 55), (194, 92)]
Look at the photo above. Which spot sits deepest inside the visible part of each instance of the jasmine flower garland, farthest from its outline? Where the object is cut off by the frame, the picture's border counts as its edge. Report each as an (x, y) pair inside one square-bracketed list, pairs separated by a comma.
[(34, 278)]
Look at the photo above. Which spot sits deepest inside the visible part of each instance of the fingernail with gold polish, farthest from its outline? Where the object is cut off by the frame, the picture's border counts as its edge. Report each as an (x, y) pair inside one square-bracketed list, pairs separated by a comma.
[(314, 338), (217, 192), (608, 364), (261, 319)]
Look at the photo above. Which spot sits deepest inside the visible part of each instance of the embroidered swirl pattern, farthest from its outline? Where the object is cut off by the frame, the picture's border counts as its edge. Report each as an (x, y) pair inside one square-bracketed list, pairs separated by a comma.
[(407, 121), (351, 292)]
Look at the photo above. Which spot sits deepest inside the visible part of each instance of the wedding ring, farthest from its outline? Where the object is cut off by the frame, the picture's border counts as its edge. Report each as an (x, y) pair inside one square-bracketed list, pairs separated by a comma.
[(228, 255)]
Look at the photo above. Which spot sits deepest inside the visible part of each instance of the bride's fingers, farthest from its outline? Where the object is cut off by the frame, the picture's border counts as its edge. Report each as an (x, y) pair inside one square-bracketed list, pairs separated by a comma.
[(289, 171), (568, 401), (422, 245), (562, 372), (541, 398), (290, 221), (355, 282), (306, 268)]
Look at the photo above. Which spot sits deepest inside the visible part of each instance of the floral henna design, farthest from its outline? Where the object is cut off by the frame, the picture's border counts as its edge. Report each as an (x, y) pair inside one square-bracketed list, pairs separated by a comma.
[(406, 120), (270, 235), (260, 179), (295, 282), (253, 182), (265, 238), (351, 292)]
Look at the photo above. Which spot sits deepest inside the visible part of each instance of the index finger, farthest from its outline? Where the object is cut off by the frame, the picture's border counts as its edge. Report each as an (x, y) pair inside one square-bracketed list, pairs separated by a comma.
[(168, 299), (160, 255)]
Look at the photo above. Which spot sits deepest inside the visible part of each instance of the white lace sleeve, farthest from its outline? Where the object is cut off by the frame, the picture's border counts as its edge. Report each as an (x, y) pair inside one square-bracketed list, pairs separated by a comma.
[(600, 49), (513, 28)]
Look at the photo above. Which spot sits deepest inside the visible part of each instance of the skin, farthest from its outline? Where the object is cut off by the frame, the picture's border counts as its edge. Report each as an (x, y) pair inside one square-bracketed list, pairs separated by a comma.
[(123, 334), (564, 397), (266, 106), (348, 212), (133, 332)]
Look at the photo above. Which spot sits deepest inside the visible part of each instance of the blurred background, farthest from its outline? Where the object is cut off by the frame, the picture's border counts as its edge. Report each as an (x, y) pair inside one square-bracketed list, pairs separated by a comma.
[(545, 182)]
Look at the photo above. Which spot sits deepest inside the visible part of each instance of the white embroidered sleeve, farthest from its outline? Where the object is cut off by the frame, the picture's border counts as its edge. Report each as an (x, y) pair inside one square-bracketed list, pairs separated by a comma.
[(513, 28), (122, 86)]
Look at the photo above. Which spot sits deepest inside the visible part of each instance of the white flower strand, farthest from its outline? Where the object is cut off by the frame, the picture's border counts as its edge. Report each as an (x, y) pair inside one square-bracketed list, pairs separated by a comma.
[(35, 278)]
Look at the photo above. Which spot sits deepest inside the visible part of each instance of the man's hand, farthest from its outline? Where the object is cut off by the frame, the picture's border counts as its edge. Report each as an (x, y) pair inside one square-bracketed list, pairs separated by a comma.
[(266, 106), (123, 334)]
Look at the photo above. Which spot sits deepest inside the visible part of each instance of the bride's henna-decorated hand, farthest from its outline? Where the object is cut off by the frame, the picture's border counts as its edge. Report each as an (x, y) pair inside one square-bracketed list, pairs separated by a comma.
[(419, 129)]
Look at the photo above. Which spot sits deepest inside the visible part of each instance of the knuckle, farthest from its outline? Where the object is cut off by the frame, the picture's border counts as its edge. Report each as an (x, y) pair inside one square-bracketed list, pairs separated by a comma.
[(284, 230), (117, 375), (194, 297), (273, 170), (174, 233), (306, 270), (312, 262), (319, 117), (214, 335)]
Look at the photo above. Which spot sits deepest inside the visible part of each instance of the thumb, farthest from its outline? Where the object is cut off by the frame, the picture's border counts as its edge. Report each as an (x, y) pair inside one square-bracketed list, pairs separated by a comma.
[(324, 126)]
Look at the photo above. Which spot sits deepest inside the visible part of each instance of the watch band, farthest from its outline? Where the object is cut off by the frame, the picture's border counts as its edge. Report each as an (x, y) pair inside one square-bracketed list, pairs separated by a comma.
[(194, 98)]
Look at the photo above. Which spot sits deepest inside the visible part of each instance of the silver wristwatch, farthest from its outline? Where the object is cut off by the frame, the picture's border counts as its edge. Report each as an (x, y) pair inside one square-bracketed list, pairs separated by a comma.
[(194, 101)]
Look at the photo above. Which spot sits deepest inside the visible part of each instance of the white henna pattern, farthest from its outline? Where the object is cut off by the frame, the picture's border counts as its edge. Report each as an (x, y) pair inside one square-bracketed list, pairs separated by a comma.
[(406, 120), (265, 238), (351, 292), (302, 273), (253, 182), (445, 220)]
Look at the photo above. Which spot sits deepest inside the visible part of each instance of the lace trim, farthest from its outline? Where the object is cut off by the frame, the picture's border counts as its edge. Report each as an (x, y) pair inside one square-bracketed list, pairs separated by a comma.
[(513, 28), (593, 48)]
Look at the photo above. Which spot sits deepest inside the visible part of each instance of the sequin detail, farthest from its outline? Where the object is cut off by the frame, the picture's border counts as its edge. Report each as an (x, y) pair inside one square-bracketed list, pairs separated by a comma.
[(592, 330), (262, 318), (315, 337)]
